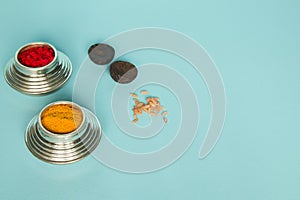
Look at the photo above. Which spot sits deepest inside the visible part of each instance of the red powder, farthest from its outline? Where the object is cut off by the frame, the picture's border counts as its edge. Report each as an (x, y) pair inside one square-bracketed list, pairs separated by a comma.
[(36, 56)]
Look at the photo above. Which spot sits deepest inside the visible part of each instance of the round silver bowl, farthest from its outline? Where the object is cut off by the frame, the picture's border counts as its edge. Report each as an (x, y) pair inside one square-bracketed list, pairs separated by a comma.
[(39, 80), (63, 148)]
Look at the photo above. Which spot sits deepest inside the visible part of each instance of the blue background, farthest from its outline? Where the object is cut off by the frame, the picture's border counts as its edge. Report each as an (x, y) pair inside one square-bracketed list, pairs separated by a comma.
[(255, 45)]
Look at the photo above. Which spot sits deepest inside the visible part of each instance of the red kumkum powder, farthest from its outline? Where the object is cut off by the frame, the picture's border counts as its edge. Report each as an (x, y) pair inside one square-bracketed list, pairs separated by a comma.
[(36, 56)]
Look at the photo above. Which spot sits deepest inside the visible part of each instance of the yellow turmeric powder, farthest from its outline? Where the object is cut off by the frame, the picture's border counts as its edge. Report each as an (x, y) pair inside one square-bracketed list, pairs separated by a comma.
[(62, 118)]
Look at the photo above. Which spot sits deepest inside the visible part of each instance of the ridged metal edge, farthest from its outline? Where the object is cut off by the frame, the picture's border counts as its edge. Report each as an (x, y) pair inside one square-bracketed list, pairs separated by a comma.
[(60, 152), (38, 84)]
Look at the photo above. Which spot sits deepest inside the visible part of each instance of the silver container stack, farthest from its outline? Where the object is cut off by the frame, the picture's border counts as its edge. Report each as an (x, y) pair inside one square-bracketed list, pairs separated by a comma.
[(63, 148), (40, 80)]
